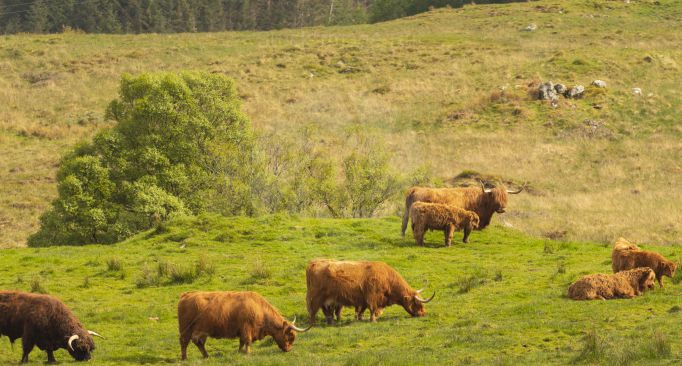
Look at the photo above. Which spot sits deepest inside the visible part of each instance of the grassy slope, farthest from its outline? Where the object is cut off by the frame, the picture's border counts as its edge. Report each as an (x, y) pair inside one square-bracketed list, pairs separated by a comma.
[(518, 315), (446, 89)]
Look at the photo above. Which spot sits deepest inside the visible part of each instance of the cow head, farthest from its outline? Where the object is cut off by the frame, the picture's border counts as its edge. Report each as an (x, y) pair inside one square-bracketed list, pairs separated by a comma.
[(646, 279), (286, 336), (81, 345), (496, 198), (669, 269), (414, 304)]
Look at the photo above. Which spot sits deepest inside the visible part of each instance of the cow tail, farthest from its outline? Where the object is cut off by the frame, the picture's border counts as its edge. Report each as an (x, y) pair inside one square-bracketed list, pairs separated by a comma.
[(409, 199)]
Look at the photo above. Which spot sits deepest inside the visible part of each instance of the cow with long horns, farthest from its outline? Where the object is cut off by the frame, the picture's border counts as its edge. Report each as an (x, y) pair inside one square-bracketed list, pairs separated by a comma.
[(374, 285), (45, 322), (232, 314), (481, 200)]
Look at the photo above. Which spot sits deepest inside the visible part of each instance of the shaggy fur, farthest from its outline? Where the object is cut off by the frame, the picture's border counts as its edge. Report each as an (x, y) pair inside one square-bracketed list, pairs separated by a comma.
[(626, 284), (437, 216), (374, 285), (43, 321), (244, 315), (628, 256), (475, 199)]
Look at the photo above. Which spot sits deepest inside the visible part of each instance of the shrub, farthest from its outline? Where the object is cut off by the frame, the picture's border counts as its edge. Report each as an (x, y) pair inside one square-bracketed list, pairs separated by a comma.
[(114, 265), (180, 145), (37, 286)]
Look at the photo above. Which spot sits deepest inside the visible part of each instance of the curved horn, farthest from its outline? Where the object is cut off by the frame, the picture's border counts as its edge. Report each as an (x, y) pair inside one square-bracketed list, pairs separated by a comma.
[(293, 321), (515, 192), (71, 339), (420, 290), (486, 190), (95, 334), (300, 330), (427, 300)]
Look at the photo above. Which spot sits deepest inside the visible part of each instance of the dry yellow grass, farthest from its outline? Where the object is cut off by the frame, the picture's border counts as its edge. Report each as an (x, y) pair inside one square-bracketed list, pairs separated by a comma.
[(447, 89)]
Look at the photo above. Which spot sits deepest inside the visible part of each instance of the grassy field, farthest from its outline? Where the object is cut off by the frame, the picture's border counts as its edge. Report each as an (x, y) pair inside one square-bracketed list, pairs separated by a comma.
[(448, 90), (499, 300)]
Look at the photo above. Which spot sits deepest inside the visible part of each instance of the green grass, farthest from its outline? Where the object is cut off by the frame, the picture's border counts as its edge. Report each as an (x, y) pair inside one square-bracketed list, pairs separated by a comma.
[(499, 300)]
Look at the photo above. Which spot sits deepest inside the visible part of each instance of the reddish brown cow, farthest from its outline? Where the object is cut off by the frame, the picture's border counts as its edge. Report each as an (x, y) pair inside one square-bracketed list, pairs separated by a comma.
[(628, 256), (231, 314), (623, 285), (374, 285), (483, 201), (437, 216), (43, 321)]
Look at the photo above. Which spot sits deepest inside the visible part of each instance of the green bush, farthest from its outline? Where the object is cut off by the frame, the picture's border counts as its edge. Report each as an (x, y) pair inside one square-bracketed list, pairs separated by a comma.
[(180, 145)]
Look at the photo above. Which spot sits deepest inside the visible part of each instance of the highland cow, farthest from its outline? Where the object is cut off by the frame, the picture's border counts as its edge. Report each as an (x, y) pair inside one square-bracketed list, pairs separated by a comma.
[(45, 322), (374, 285), (628, 256), (483, 201), (626, 285), (437, 216), (244, 315)]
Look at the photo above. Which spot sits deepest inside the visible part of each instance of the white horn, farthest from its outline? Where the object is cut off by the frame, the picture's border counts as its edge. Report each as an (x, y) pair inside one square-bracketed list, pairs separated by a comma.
[(420, 290), (486, 190), (95, 334), (300, 330), (427, 300), (293, 321), (71, 339)]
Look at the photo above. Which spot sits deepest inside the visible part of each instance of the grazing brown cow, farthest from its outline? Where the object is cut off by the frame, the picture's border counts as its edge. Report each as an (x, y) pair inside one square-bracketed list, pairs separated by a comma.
[(374, 285), (437, 216), (626, 284), (484, 201), (43, 321), (231, 314), (628, 256)]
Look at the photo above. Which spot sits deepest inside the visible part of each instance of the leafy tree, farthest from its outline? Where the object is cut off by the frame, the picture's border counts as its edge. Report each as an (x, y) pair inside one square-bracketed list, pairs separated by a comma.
[(180, 145)]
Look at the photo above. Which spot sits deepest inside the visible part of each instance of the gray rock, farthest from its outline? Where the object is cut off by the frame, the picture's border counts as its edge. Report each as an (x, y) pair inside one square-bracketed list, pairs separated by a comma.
[(560, 88), (546, 91), (637, 91), (599, 83), (531, 27), (575, 92)]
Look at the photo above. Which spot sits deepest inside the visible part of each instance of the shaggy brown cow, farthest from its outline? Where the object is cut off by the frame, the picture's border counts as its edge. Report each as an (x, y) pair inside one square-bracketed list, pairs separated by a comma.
[(437, 216), (628, 256), (374, 285), (231, 314), (626, 284), (484, 201), (43, 321)]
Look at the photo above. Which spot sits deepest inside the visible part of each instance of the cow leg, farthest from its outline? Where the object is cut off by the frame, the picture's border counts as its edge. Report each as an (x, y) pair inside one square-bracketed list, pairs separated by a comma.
[(418, 235), (660, 281), (313, 308), (339, 308), (359, 310), (27, 346), (467, 231), (50, 356), (200, 342), (374, 314), (184, 342), (449, 230), (328, 314), (246, 342)]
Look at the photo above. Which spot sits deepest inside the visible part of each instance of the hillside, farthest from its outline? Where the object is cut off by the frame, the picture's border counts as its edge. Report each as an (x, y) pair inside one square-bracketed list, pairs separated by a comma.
[(499, 300), (447, 91)]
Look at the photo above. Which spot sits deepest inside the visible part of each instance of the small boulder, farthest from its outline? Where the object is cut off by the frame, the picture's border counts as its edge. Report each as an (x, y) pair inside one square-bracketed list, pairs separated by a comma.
[(560, 88), (531, 27), (637, 91), (599, 83), (546, 91), (575, 92)]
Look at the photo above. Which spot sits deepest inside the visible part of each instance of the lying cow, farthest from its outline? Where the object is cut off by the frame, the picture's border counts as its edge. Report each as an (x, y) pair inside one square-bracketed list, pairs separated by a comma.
[(437, 216), (231, 314), (628, 256), (484, 201), (374, 285), (626, 284), (43, 321)]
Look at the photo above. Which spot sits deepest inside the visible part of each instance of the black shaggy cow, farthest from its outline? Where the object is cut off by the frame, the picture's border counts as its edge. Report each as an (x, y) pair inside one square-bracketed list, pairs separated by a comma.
[(43, 321)]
